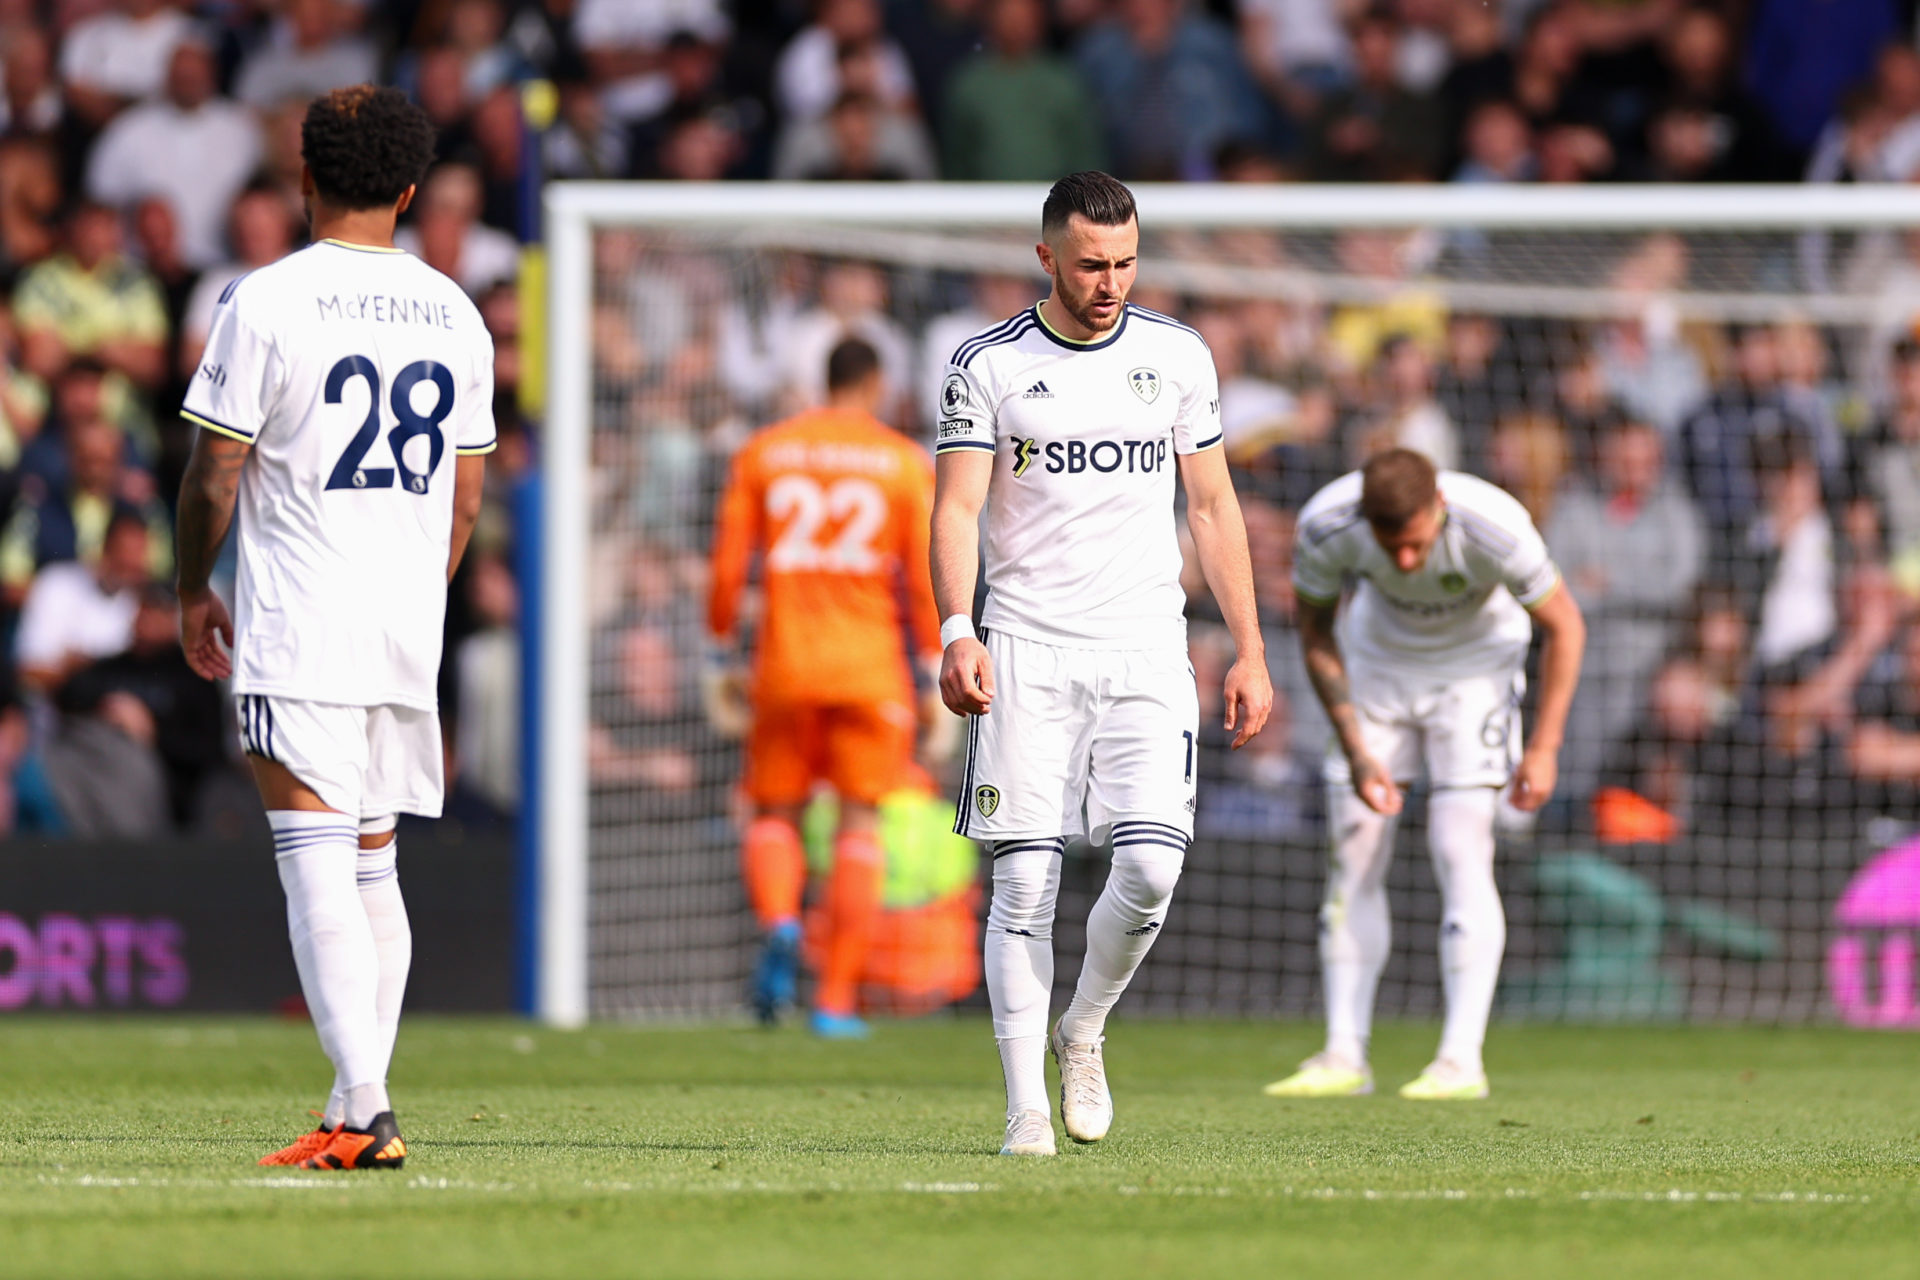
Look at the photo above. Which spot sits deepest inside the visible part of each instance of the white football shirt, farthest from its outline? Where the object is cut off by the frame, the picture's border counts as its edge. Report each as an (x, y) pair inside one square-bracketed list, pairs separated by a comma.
[(1081, 546), (356, 374), (1463, 611)]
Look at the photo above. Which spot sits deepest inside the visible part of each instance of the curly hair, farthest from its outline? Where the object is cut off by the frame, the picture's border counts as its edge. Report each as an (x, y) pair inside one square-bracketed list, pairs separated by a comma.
[(365, 145)]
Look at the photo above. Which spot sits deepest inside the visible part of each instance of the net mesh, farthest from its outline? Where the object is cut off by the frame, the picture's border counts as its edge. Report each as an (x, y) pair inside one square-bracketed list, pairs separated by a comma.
[(1716, 430)]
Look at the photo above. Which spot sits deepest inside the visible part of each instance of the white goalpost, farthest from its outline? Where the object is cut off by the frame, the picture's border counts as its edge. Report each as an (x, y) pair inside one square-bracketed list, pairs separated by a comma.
[(637, 915)]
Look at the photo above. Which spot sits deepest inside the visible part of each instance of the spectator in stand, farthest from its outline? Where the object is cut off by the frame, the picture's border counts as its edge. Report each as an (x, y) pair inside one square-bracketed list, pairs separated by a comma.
[(1880, 489), (120, 56), (1704, 77), (1788, 567), (30, 101), (807, 78), (77, 613), (156, 241), (188, 729), (859, 141), (585, 142), (623, 44), (1408, 416), (498, 152), (1014, 111), (1170, 88), (47, 526), (1530, 456), (448, 236), (476, 31), (862, 139), (314, 49), (192, 148), (1499, 145), (697, 145), (1297, 50), (1717, 440), (853, 303), (27, 804), (23, 410), (487, 663), (1632, 548), (1882, 743), (259, 231), (694, 75), (1479, 383), (30, 199), (937, 36), (91, 299), (1481, 67), (440, 86), (992, 298)]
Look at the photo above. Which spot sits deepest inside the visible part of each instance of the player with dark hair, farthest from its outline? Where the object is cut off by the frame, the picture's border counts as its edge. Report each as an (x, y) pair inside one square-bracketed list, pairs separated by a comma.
[(1424, 675), (834, 503), (344, 404), (1073, 416)]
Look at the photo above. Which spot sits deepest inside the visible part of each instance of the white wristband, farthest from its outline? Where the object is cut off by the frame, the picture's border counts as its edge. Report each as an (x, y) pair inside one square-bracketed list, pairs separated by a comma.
[(958, 627)]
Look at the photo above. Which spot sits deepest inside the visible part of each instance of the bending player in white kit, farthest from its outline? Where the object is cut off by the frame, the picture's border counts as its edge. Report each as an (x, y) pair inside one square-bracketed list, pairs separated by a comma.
[(344, 403), (1067, 422), (1427, 669)]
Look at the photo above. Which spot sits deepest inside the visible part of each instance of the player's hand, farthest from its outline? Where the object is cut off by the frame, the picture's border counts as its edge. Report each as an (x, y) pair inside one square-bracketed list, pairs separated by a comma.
[(723, 696), (206, 634), (966, 677), (1533, 781), (1249, 699), (1375, 787)]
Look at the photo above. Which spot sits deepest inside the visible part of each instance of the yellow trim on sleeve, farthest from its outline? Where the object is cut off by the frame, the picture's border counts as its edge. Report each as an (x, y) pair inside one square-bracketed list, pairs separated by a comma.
[(1544, 596), (476, 451), (208, 424)]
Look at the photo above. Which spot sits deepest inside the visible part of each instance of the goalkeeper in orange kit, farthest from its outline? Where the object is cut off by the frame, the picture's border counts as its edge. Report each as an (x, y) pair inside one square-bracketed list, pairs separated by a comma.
[(835, 505)]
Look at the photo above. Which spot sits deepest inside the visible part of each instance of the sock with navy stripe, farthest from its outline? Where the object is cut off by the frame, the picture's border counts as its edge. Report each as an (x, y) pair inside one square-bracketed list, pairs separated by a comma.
[(1019, 963), (317, 854), (1147, 857)]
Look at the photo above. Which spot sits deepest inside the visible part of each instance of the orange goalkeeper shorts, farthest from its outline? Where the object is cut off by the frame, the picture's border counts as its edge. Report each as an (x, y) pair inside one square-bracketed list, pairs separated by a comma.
[(861, 750)]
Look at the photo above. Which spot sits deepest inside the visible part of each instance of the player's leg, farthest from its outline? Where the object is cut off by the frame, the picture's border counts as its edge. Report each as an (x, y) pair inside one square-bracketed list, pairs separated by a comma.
[(868, 749), (309, 761), (773, 862), (1472, 737), (386, 907), (1020, 772), (1356, 928), (1141, 782)]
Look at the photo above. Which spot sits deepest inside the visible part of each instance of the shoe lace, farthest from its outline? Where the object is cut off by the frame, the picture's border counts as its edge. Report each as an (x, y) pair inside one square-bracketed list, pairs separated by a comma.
[(1083, 1074)]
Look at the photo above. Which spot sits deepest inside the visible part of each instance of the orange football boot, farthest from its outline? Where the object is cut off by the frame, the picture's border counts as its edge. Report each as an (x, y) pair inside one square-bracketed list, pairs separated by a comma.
[(378, 1146), (303, 1146)]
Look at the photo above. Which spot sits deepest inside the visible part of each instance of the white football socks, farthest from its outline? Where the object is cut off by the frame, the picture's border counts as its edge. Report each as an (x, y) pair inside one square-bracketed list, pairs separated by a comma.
[(333, 948), (1473, 926), (1019, 963), (1356, 931), (1147, 857), (379, 877)]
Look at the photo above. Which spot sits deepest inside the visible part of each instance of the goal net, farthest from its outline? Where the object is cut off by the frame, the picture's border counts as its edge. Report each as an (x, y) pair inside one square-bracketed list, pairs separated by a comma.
[(1709, 400)]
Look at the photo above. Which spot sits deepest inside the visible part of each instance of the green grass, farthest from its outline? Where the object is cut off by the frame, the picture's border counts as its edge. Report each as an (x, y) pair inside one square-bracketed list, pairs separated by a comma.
[(127, 1148)]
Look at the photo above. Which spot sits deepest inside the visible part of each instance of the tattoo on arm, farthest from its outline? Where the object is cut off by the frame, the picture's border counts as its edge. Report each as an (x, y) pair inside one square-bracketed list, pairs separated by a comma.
[(207, 494), (1328, 672)]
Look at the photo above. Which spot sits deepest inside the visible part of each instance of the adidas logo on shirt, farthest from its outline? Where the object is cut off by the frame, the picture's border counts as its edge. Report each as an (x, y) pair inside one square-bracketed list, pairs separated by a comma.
[(1038, 391)]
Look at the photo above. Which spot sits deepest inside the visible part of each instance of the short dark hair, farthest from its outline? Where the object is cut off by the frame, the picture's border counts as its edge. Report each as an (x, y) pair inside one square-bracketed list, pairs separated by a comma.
[(1395, 486), (1100, 198), (365, 145), (852, 361)]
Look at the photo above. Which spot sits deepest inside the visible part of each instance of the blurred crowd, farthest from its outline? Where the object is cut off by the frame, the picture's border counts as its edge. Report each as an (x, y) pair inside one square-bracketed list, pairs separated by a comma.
[(149, 154)]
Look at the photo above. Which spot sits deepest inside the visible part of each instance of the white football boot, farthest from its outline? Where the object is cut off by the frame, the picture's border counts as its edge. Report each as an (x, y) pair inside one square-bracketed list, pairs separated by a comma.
[(1086, 1105), (1029, 1133)]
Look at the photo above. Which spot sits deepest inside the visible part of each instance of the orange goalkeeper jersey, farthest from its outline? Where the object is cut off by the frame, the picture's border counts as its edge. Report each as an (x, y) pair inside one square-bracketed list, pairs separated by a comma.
[(836, 505)]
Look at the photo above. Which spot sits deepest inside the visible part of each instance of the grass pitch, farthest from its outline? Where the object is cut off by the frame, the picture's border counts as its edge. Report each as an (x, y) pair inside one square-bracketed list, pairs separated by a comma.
[(127, 1149)]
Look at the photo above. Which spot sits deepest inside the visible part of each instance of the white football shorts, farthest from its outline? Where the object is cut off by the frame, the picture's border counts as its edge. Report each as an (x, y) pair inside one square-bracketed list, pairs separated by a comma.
[(1460, 731), (1079, 739), (366, 762)]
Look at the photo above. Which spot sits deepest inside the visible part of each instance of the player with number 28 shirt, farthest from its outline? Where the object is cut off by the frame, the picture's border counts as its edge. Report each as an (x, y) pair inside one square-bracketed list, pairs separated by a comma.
[(344, 405)]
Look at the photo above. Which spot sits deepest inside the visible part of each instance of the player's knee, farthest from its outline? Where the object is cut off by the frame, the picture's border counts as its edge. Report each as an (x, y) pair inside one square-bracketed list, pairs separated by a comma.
[(1145, 882), (1024, 895)]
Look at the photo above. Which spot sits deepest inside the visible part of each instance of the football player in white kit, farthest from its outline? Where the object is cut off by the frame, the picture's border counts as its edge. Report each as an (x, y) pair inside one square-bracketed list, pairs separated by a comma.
[(1067, 422), (1424, 669), (344, 405)]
